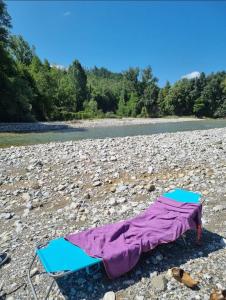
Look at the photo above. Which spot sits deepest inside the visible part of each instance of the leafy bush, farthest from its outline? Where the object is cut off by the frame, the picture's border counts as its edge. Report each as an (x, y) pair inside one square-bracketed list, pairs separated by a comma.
[(110, 115)]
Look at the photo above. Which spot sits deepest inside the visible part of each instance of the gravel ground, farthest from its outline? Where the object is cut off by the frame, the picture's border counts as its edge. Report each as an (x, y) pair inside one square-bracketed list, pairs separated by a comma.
[(129, 121), (49, 190)]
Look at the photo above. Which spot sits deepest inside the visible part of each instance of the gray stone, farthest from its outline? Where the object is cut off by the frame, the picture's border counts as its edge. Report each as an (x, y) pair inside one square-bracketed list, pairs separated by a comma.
[(29, 206), (219, 208), (18, 226), (113, 158), (159, 257), (6, 216), (112, 202), (121, 187), (87, 196), (61, 187), (112, 189), (83, 218), (159, 283), (220, 142), (35, 186), (26, 196), (223, 242), (150, 170), (97, 183), (128, 282), (139, 298), (121, 200), (30, 168), (150, 187), (109, 296)]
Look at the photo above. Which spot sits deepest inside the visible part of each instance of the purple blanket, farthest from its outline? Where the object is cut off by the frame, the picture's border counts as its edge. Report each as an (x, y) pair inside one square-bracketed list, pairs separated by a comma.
[(121, 244)]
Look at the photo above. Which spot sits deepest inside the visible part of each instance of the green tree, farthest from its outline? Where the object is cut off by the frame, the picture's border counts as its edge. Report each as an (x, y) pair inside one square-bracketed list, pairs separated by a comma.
[(130, 78), (65, 93), (211, 102), (149, 92), (132, 105), (144, 112), (79, 81), (162, 98), (179, 100), (197, 86), (147, 78), (20, 50), (5, 24), (122, 111), (6, 64), (45, 88), (91, 108), (23, 95)]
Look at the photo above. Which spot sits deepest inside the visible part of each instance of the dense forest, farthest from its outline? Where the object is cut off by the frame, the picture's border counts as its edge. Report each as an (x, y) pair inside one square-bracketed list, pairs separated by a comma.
[(35, 90)]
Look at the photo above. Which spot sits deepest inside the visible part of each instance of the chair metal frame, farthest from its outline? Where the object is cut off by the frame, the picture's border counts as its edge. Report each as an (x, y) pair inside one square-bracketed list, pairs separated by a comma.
[(54, 275)]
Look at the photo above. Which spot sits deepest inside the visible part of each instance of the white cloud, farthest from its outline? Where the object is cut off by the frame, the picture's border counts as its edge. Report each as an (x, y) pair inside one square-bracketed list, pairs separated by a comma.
[(67, 13), (61, 67), (194, 74)]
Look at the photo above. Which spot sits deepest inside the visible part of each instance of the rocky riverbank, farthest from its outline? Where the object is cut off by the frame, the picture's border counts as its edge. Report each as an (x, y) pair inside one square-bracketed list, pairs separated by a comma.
[(51, 126), (49, 190), (129, 121)]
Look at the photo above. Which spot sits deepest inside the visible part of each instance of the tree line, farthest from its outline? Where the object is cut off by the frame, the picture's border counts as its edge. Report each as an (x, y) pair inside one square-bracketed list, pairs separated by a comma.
[(35, 90)]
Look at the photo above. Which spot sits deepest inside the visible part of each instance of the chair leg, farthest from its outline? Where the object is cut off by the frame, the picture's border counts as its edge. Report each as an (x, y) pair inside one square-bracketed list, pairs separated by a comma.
[(184, 240), (31, 283), (30, 280), (199, 234), (49, 290)]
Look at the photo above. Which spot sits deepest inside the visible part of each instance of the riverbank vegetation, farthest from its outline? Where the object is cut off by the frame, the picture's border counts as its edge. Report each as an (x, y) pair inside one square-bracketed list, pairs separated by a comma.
[(32, 89)]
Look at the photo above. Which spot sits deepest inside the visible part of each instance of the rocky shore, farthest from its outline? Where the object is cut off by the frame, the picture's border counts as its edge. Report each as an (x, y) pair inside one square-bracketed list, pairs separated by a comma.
[(49, 190), (51, 126)]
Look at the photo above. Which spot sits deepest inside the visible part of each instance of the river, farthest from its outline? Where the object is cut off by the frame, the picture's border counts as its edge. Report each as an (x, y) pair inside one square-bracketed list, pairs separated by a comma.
[(19, 139)]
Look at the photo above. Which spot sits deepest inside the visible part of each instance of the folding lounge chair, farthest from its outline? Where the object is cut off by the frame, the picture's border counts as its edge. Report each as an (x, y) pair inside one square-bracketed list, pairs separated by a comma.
[(60, 257)]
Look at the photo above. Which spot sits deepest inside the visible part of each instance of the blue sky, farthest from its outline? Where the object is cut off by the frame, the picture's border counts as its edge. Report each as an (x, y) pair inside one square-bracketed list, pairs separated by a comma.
[(174, 37)]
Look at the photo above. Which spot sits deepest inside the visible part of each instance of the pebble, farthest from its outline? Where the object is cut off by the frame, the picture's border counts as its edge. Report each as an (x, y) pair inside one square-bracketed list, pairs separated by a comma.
[(6, 216), (159, 257), (97, 183), (150, 170), (219, 208), (18, 226), (34, 271), (109, 296), (139, 298), (159, 283), (112, 202), (87, 196), (150, 187), (121, 188), (112, 189), (29, 206), (26, 196)]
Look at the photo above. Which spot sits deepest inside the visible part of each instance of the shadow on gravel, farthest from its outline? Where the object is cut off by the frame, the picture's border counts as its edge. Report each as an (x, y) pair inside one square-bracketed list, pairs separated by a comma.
[(82, 286), (37, 127)]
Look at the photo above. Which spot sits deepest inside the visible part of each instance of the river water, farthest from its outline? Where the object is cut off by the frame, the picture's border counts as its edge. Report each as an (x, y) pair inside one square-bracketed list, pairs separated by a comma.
[(19, 139)]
